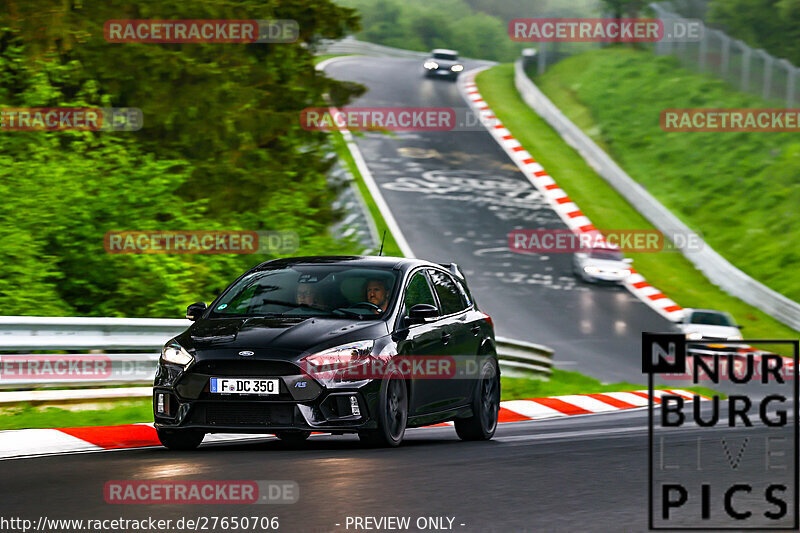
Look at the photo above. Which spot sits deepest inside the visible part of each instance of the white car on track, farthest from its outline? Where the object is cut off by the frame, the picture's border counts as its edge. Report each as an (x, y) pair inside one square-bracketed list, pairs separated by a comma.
[(601, 265), (707, 324)]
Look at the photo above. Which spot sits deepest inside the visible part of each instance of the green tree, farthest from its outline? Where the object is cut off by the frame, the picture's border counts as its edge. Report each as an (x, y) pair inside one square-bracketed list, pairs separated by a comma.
[(221, 148)]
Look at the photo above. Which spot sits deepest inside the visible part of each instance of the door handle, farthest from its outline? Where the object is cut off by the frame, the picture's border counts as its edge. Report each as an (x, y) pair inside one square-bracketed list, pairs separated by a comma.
[(445, 338), (476, 329)]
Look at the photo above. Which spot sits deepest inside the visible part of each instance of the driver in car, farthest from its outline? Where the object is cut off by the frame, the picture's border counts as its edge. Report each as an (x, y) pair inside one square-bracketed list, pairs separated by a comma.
[(377, 293), (306, 295)]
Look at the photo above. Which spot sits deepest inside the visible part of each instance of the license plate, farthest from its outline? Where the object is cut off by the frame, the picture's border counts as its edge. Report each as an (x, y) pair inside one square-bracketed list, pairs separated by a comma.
[(244, 386)]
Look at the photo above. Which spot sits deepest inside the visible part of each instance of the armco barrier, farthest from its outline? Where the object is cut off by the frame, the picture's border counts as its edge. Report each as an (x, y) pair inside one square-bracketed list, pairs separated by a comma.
[(20, 335), (524, 359), (716, 268), (349, 45), (352, 46)]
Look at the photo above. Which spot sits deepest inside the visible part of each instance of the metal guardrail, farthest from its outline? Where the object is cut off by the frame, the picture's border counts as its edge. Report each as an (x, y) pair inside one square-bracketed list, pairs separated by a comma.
[(21, 335), (349, 45), (715, 267), (524, 359)]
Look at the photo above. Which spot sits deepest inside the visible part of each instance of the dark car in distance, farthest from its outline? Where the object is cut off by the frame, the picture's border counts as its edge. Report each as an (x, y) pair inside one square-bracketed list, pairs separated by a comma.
[(345, 344)]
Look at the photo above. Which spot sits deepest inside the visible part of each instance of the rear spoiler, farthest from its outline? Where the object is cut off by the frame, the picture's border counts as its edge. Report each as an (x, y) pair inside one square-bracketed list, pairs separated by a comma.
[(454, 270)]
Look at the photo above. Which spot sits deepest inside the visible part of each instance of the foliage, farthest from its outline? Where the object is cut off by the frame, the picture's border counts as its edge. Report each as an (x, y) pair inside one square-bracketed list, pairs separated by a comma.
[(423, 25), (773, 25), (221, 149)]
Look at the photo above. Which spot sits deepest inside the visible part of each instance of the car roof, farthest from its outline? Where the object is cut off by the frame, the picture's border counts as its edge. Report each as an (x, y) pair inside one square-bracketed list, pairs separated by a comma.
[(400, 263), (444, 51)]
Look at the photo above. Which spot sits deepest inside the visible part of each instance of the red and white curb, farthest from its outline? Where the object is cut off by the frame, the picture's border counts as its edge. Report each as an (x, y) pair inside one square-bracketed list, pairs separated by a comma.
[(558, 200), (41, 442)]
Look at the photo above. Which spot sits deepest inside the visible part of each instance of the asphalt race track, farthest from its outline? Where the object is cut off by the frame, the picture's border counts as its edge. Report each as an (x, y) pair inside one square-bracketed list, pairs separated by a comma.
[(583, 473), (455, 196)]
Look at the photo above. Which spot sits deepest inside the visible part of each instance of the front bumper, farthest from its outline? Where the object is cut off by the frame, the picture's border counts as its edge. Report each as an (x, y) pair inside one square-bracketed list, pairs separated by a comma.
[(441, 73), (606, 277), (183, 400)]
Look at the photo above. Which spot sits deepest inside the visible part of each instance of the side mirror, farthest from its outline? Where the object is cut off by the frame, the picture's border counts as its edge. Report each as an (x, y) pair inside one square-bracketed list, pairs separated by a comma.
[(740, 327), (196, 310), (627, 260), (420, 312)]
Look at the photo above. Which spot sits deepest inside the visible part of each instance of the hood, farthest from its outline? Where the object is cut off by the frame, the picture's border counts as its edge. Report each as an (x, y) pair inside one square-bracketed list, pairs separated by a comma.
[(606, 264), (276, 338), (445, 63), (715, 332)]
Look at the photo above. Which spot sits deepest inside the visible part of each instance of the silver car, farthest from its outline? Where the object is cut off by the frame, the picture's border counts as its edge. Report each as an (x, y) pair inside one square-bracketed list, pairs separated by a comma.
[(601, 265), (443, 64), (709, 325)]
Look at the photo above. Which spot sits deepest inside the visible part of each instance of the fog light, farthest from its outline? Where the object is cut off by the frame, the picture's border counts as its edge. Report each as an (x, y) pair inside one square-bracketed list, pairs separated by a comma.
[(354, 406), (161, 403)]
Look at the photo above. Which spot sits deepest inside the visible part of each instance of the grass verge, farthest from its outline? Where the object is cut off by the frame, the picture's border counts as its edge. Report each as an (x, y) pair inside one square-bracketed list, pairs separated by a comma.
[(320, 59), (565, 382), (135, 411), (670, 272), (106, 413), (739, 189)]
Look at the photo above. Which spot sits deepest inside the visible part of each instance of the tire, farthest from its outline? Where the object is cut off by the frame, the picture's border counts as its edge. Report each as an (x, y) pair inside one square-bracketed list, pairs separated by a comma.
[(180, 439), (293, 437), (392, 414), (485, 407)]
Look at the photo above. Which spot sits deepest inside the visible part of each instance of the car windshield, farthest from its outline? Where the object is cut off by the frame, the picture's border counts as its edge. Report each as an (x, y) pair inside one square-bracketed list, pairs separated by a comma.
[(606, 255), (310, 290), (710, 318), (446, 57)]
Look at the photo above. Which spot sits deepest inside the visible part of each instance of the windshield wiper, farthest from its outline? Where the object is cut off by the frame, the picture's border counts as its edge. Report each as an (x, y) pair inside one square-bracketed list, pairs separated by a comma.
[(348, 312)]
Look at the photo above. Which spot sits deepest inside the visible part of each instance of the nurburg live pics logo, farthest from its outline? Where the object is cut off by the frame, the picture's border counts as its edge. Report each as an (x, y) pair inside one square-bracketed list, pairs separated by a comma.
[(715, 470)]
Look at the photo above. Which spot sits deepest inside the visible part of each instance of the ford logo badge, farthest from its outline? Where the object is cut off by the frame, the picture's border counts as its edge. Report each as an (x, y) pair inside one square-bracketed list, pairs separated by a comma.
[(246, 353)]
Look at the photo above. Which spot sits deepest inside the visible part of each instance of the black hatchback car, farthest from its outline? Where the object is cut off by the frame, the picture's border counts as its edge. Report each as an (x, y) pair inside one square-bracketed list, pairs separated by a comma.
[(367, 345)]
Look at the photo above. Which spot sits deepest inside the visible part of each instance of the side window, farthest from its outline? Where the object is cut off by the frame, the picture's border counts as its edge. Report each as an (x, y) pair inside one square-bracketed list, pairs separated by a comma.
[(417, 292), (464, 293), (449, 295)]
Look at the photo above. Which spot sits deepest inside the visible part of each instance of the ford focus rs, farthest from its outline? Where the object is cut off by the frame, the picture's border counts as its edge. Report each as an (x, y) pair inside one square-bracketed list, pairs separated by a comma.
[(367, 345)]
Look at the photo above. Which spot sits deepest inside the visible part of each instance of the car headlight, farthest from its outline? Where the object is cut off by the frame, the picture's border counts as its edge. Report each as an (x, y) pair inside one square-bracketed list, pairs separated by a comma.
[(694, 336), (174, 353), (431, 65), (457, 68), (735, 338), (338, 357), (591, 270), (340, 365)]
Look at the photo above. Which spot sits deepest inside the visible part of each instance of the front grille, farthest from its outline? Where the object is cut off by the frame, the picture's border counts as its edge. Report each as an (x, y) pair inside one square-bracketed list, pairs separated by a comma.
[(246, 368), (243, 414)]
